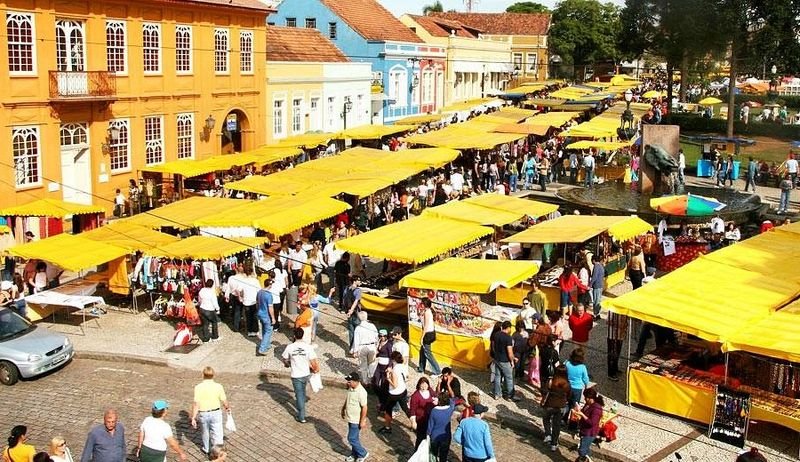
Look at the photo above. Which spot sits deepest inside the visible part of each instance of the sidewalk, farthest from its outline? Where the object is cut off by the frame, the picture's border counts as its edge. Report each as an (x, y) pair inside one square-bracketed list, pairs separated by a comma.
[(642, 435)]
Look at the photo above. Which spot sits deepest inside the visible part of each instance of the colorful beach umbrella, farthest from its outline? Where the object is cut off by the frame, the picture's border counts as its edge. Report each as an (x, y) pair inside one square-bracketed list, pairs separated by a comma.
[(709, 101), (690, 205), (654, 94)]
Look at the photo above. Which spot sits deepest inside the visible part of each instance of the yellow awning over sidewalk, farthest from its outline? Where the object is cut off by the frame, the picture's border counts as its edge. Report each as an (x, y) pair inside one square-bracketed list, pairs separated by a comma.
[(414, 241), (182, 214), (305, 140), (206, 247), (192, 167), (50, 208), (70, 252), (372, 132), (129, 236), (580, 228), (471, 275), (776, 336)]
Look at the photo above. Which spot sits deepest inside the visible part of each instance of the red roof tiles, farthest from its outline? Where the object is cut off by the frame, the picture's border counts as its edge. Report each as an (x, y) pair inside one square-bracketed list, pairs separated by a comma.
[(439, 27), (371, 20), (299, 44), (502, 23)]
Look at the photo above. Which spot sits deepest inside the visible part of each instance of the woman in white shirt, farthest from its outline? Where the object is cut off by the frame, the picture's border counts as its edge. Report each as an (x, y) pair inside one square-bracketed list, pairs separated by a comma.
[(59, 452), (396, 375), (39, 280), (209, 311), (155, 436), (278, 289)]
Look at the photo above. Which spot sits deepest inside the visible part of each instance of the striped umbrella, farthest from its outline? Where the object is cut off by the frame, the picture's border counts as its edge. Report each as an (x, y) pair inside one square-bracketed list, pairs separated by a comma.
[(690, 205)]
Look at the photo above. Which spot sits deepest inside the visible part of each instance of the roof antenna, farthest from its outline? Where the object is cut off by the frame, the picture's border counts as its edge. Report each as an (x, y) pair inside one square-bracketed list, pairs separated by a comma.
[(470, 4)]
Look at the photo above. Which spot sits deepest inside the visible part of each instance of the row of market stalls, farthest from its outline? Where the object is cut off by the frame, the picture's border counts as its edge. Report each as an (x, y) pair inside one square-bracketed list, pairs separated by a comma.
[(738, 317)]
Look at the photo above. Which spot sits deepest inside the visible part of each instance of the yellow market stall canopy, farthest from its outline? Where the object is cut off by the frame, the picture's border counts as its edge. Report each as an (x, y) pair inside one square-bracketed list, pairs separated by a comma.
[(182, 214), (358, 171), (414, 241), (776, 336), (206, 247), (420, 119), (192, 167), (580, 228), (609, 145), (70, 252), (372, 132), (129, 236), (470, 275), (50, 208), (305, 140), (470, 104), (553, 119), (491, 209)]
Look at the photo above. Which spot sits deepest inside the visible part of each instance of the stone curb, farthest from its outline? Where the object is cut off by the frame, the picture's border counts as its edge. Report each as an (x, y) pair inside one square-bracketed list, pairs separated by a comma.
[(517, 425)]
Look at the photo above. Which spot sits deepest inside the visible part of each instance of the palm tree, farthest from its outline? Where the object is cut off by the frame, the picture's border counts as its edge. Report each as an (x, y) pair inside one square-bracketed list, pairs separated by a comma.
[(436, 7)]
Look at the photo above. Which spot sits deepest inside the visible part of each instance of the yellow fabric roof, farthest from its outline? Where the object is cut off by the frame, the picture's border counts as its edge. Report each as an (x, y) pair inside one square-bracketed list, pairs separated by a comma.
[(580, 228), (472, 213), (570, 93), (182, 214), (526, 129), (586, 144), (276, 213), (546, 102), (206, 247), (194, 167), (420, 119), (427, 157), (470, 275), (527, 88), (469, 135), (553, 119), (533, 209), (50, 208), (371, 132), (306, 139), (414, 241), (129, 236), (696, 298), (467, 105), (70, 252)]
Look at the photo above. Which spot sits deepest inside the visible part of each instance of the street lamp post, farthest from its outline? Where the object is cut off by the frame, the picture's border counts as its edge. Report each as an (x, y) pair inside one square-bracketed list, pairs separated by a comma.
[(626, 130), (346, 107)]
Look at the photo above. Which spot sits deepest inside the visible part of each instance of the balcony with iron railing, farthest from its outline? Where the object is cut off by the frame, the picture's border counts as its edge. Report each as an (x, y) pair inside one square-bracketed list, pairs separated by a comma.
[(79, 86)]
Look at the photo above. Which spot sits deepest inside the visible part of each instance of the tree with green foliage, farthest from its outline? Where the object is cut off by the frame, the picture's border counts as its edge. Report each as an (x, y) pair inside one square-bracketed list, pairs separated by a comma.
[(584, 32), (527, 7), (773, 38), (435, 7)]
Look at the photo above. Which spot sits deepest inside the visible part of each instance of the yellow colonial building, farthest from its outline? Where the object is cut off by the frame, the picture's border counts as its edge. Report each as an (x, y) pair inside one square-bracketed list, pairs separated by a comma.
[(527, 34), (311, 86), (475, 67), (94, 90)]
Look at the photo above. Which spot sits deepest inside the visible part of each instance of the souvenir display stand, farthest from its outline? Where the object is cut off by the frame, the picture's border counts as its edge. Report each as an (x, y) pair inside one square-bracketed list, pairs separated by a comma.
[(553, 242), (463, 320)]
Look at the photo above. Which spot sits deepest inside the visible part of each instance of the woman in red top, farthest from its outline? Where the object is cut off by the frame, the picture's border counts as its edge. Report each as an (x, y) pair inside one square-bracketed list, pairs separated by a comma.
[(580, 323), (421, 405), (589, 425), (568, 282)]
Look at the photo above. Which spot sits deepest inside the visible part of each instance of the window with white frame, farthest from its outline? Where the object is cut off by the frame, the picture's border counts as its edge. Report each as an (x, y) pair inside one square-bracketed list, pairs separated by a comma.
[(297, 115), (119, 150), (221, 51), (151, 48), (116, 51), (415, 90), (427, 87), (185, 136), (331, 110), (246, 52), (311, 23), (27, 160), (183, 49), (277, 118), (314, 114), (397, 86), (517, 61), (531, 65), (291, 22), (21, 43), (153, 140)]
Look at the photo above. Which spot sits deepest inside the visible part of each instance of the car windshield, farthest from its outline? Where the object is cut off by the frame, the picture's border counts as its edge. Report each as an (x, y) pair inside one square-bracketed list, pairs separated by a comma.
[(12, 324)]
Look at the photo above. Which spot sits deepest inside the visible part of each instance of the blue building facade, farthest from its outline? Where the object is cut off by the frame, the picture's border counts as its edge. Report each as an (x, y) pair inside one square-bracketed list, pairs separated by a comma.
[(408, 75)]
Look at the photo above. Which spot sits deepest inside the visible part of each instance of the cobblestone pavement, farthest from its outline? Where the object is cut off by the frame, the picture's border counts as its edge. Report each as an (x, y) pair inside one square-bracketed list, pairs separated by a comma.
[(71, 400)]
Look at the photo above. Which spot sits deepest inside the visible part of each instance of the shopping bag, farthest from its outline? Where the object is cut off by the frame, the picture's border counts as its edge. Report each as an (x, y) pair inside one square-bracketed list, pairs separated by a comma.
[(230, 425), (316, 382), (422, 454)]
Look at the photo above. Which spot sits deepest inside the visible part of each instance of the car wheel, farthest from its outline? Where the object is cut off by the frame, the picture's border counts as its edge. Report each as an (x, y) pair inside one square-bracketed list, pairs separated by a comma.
[(8, 373)]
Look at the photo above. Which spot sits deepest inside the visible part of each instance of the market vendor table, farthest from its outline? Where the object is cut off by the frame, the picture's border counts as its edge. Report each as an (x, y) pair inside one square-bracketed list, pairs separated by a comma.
[(75, 295), (692, 401), (685, 251)]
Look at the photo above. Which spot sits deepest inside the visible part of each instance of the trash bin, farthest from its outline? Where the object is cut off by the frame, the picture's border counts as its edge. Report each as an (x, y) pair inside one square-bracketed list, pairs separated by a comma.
[(703, 168), (291, 300), (735, 172)]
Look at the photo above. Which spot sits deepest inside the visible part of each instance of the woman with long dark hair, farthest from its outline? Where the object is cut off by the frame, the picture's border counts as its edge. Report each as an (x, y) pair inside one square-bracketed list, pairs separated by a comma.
[(421, 405), (18, 450), (554, 403), (589, 424)]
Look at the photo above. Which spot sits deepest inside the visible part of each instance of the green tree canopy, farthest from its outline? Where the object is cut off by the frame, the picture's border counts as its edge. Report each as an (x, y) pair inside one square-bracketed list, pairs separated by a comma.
[(585, 32), (527, 7), (435, 7)]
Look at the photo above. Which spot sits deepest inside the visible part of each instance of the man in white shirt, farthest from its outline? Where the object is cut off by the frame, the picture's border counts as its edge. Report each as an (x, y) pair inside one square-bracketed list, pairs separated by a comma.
[(330, 255), (422, 194), (297, 258), (365, 345), (681, 166), (588, 170), (302, 358), (717, 225), (248, 292), (791, 169), (457, 180)]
